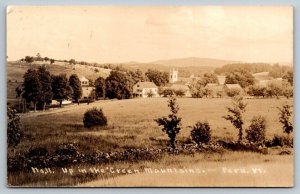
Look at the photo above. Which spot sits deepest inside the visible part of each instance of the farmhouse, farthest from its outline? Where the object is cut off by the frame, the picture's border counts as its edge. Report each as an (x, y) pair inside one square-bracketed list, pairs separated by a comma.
[(145, 89), (88, 91)]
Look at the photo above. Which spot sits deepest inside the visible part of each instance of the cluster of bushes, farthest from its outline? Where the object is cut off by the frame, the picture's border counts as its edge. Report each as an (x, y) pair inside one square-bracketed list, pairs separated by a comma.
[(67, 154), (168, 92), (255, 133)]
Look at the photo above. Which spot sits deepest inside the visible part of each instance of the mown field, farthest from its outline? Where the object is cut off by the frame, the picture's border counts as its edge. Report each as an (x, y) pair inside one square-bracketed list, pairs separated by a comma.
[(131, 125)]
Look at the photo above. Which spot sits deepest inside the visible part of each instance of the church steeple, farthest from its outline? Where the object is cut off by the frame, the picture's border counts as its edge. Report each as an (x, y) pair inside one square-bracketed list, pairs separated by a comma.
[(173, 76)]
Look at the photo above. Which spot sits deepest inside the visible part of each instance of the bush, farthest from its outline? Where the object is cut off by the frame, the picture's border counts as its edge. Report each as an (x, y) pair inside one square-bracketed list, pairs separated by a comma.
[(256, 133), (67, 150), (201, 133), (179, 93), (281, 141), (233, 92), (166, 92), (37, 152), (94, 117)]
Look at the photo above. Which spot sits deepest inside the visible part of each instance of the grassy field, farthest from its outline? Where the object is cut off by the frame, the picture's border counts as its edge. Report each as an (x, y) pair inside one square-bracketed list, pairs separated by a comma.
[(131, 125), (16, 70)]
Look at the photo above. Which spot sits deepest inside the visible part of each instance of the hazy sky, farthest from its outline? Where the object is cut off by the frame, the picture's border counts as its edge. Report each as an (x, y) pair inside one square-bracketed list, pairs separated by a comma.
[(121, 34)]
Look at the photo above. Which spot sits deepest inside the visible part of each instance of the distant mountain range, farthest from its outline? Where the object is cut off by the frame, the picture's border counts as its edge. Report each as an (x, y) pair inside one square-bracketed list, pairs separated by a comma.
[(195, 62)]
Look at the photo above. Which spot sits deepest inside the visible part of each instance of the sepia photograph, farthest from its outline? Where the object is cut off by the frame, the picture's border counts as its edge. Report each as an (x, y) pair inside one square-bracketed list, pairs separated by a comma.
[(150, 96)]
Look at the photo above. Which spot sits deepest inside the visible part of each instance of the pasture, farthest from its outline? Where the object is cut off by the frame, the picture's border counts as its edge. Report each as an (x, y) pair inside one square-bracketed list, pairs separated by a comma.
[(131, 125)]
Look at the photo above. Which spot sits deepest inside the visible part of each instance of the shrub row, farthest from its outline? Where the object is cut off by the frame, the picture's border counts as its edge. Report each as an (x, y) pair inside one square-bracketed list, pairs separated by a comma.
[(68, 154)]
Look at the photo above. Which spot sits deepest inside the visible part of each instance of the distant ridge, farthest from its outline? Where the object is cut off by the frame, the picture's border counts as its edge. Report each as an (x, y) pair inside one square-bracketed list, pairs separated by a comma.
[(194, 61)]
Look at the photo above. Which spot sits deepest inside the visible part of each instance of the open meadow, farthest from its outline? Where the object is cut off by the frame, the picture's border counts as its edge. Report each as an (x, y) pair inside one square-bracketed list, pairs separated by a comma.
[(131, 125)]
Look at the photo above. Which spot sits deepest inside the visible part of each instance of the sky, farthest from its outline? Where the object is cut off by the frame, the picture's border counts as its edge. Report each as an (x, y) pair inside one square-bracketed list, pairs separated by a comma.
[(111, 34)]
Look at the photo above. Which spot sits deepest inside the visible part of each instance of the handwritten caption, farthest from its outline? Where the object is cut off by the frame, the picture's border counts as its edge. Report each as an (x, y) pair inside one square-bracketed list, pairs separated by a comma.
[(114, 170)]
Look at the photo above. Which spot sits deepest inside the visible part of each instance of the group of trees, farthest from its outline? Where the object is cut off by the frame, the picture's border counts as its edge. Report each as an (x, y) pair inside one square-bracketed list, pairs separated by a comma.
[(119, 84), (31, 59), (197, 87), (272, 89), (243, 78), (40, 87), (274, 70)]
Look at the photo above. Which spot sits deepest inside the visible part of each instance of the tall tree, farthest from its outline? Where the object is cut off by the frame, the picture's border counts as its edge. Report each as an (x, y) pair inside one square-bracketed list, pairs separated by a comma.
[(46, 86), (158, 77), (100, 87), (136, 76), (60, 88), (209, 78), (32, 87), (76, 87), (118, 85), (72, 61), (29, 59), (243, 78)]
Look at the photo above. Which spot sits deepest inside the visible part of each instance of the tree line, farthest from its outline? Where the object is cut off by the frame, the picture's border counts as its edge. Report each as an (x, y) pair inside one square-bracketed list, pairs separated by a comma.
[(40, 87), (274, 70)]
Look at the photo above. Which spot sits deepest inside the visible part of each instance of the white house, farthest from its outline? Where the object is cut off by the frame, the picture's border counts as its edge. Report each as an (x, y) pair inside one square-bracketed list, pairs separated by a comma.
[(145, 89), (88, 91)]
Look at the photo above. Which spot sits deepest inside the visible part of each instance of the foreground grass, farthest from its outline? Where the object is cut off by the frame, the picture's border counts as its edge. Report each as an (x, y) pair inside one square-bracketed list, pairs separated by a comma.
[(278, 172), (131, 125)]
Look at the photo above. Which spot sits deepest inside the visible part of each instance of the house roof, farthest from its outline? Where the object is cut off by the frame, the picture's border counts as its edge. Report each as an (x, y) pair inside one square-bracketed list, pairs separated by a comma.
[(214, 87), (146, 85), (82, 78), (233, 86)]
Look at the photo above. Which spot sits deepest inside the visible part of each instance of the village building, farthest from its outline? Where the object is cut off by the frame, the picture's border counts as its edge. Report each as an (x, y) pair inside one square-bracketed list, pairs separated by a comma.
[(232, 87), (145, 89), (88, 91), (217, 90)]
